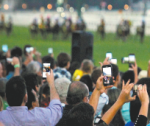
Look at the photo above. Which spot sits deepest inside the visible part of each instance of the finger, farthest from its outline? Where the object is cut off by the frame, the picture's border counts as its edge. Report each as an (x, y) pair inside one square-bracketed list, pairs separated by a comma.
[(130, 86), (133, 98), (51, 71), (101, 64), (110, 86), (145, 87), (128, 82), (132, 66)]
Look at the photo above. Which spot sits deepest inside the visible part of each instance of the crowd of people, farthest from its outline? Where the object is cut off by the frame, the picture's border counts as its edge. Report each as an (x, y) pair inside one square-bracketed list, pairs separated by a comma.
[(72, 94)]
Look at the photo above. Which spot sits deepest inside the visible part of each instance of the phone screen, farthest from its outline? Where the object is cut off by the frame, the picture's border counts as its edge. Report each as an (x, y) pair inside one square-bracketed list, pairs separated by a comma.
[(109, 54), (114, 61), (132, 58), (50, 50), (97, 120), (125, 60), (46, 69), (107, 74), (29, 49), (5, 48)]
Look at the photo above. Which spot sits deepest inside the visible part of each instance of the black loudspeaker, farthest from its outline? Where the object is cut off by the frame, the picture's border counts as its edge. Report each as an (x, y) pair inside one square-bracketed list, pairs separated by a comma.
[(82, 46)]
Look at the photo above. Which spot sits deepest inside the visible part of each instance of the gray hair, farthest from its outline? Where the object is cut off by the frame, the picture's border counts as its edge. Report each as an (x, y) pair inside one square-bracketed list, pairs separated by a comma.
[(33, 67), (62, 85)]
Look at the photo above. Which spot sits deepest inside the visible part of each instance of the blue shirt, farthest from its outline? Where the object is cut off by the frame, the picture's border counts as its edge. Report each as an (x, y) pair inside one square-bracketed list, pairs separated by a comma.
[(103, 100), (61, 72), (21, 116)]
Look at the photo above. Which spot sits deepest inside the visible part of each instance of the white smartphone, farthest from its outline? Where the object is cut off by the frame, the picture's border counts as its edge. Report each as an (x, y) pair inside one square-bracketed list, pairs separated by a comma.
[(109, 54), (50, 50), (114, 61), (46, 69), (9, 60), (4, 48)]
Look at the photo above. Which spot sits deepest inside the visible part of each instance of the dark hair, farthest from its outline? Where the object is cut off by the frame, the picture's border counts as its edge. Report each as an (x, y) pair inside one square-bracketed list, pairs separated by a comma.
[(113, 95), (74, 65), (16, 51), (2, 87), (81, 115), (76, 92), (136, 104), (15, 91), (63, 59), (48, 59), (115, 71), (95, 75), (128, 75), (24, 50), (88, 81), (31, 80), (31, 98)]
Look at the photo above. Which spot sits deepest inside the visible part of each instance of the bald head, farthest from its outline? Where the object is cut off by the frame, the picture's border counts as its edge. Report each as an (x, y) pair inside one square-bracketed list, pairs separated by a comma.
[(76, 92)]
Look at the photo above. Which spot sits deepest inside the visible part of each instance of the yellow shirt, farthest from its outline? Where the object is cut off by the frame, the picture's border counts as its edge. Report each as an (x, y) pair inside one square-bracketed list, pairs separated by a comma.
[(77, 75)]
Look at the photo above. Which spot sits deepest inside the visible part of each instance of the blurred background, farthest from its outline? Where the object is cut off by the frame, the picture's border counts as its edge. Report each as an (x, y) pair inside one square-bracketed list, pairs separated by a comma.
[(118, 26)]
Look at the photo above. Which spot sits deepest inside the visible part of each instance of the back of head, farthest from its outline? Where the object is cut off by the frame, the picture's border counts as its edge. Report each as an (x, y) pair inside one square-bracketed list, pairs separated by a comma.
[(81, 115), (87, 66), (88, 81), (62, 85), (76, 92), (33, 67), (136, 104), (115, 71), (2, 87), (15, 91), (63, 59), (16, 51), (128, 75), (48, 59), (31, 80), (95, 75)]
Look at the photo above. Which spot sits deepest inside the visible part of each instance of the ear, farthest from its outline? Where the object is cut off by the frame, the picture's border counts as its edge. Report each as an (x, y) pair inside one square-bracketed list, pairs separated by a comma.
[(118, 77), (85, 100), (68, 65)]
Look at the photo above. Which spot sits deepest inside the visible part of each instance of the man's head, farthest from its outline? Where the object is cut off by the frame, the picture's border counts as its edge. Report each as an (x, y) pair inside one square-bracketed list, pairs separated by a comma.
[(63, 60), (95, 75), (48, 59), (136, 104), (115, 74), (16, 52), (77, 92), (87, 66), (34, 67), (128, 75), (62, 85), (31, 81), (81, 115), (16, 93)]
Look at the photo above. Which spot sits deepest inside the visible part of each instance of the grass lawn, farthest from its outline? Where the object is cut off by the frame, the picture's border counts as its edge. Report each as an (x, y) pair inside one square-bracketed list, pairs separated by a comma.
[(119, 49)]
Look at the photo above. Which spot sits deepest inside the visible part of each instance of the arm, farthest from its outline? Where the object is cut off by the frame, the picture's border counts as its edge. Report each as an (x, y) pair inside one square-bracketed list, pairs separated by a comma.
[(134, 67), (29, 58), (123, 98), (144, 98), (16, 64), (99, 89), (53, 92)]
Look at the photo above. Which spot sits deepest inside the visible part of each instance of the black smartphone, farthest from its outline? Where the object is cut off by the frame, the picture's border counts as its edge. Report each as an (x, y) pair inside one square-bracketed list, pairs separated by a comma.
[(107, 73), (131, 60), (46, 69), (109, 54)]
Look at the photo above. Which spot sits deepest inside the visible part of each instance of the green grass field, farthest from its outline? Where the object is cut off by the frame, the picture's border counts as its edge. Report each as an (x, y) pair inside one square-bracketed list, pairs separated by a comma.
[(119, 49)]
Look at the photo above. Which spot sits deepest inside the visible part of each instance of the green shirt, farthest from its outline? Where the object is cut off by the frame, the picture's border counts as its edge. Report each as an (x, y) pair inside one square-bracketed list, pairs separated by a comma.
[(5, 105)]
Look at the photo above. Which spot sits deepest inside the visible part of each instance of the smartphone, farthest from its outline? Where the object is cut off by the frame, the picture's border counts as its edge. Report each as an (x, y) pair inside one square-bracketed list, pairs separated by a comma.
[(9, 60), (131, 60), (135, 88), (4, 48), (29, 49), (46, 69), (107, 73), (50, 50), (113, 61), (125, 60), (109, 54)]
